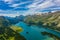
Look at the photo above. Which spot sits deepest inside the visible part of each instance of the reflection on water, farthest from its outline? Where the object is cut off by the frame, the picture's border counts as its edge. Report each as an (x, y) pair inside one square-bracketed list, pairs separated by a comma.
[(33, 33)]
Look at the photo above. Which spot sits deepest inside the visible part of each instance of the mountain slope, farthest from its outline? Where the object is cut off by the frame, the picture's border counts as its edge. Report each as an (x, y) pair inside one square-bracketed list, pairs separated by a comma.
[(48, 20), (7, 33)]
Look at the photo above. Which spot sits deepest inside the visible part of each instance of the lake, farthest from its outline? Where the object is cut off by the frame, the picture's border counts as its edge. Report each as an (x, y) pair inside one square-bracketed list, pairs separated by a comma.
[(34, 33)]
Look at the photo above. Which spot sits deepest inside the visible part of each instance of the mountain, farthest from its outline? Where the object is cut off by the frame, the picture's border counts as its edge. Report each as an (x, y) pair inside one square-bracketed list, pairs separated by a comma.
[(3, 21), (20, 18), (14, 20), (8, 33), (47, 20)]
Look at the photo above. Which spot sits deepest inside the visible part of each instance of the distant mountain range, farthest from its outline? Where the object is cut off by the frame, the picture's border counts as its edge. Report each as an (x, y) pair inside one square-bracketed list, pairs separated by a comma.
[(14, 20)]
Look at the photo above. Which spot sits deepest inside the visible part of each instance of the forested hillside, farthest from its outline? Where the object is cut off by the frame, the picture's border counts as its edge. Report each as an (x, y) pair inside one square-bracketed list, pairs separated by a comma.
[(8, 33)]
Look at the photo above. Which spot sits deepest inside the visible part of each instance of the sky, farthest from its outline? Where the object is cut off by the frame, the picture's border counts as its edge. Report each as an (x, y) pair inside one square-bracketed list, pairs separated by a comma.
[(25, 7)]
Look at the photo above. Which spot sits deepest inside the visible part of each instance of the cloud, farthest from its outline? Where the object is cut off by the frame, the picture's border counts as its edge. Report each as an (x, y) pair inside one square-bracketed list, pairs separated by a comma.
[(34, 4), (21, 3), (44, 5), (10, 15), (29, 6), (8, 1)]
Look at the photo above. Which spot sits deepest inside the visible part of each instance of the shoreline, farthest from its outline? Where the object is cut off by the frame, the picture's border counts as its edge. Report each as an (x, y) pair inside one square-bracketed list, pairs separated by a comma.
[(51, 35)]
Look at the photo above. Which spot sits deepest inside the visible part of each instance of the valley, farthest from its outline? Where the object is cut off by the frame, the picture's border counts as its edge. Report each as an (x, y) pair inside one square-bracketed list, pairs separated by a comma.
[(31, 27)]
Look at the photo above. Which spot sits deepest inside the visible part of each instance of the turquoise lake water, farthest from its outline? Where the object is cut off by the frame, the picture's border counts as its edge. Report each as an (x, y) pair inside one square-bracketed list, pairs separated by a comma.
[(34, 33)]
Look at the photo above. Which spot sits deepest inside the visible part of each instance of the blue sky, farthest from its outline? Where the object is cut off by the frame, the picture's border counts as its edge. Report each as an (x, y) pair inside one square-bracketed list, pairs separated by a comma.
[(17, 7)]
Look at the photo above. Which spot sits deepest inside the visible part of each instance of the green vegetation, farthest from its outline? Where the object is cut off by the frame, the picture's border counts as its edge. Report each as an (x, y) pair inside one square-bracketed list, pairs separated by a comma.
[(6, 33), (51, 35), (4, 22), (16, 28), (47, 20), (9, 33)]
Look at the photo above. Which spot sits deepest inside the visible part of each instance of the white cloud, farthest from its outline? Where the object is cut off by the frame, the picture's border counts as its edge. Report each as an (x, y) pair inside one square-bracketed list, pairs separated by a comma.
[(16, 5), (10, 15), (8, 1), (42, 5), (35, 6), (57, 2)]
